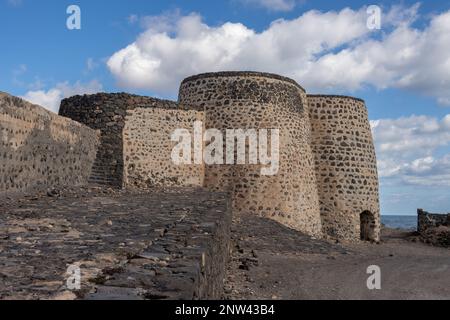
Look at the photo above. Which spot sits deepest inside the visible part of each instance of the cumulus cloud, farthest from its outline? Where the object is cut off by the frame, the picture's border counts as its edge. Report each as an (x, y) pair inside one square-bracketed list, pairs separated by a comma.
[(51, 99), (169, 51), (429, 172), (407, 149), (323, 51)]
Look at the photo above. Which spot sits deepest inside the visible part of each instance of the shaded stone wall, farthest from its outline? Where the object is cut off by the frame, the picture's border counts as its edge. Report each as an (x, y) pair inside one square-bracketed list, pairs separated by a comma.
[(107, 113), (41, 149), (147, 148), (250, 100), (346, 166)]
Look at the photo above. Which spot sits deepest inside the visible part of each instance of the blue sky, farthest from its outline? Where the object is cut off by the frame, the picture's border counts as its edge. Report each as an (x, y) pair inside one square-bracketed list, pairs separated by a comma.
[(146, 47)]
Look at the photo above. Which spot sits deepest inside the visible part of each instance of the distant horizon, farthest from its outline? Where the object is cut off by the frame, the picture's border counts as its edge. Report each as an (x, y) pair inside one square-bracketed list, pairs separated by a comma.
[(409, 215)]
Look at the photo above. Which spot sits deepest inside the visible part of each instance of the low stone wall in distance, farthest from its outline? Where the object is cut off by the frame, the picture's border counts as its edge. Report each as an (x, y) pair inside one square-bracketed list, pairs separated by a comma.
[(434, 228), (428, 220), (41, 149)]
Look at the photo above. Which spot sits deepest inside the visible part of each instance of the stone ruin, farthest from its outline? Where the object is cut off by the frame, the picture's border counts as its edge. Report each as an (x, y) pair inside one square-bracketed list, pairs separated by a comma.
[(434, 228), (427, 220), (326, 186)]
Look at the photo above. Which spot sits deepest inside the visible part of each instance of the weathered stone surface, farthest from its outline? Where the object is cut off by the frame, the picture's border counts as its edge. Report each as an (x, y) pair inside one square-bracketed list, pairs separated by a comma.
[(160, 245), (127, 156), (346, 167), (434, 228), (39, 148), (428, 220), (251, 100), (437, 236), (327, 180), (147, 148)]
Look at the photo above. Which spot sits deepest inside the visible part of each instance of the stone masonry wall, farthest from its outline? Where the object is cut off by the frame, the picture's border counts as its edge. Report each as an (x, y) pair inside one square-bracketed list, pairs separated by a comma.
[(107, 113), (41, 149), (346, 166), (428, 220), (147, 148), (250, 100), (327, 180)]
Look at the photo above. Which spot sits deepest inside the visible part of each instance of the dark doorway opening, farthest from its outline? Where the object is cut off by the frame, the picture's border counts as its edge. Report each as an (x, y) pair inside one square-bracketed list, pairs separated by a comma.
[(367, 226)]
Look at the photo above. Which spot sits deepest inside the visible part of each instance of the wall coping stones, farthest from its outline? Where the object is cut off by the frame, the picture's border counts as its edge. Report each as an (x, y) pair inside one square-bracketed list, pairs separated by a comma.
[(331, 96), (147, 101), (242, 74), (121, 95)]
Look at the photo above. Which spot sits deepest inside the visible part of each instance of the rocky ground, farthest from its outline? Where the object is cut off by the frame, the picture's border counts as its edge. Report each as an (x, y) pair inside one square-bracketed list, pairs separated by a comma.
[(159, 245), (436, 236), (172, 244), (270, 261)]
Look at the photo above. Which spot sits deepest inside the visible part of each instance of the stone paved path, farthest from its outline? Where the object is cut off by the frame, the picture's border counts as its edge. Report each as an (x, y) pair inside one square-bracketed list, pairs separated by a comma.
[(128, 245)]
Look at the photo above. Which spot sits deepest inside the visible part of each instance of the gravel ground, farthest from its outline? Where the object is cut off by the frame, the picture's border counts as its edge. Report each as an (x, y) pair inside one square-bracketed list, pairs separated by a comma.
[(270, 261)]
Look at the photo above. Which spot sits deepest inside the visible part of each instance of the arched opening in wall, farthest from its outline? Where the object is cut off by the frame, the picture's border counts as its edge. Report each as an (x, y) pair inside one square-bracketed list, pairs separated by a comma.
[(367, 220)]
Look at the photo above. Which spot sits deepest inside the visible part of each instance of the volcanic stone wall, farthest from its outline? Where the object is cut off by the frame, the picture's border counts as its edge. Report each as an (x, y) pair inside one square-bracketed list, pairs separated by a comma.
[(41, 149), (326, 182), (250, 100), (147, 148), (135, 139), (426, 220), (346, 167)]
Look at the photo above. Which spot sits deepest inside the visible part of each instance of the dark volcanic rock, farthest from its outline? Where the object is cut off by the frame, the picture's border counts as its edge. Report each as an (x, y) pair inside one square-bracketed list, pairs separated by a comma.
[(160, 245)]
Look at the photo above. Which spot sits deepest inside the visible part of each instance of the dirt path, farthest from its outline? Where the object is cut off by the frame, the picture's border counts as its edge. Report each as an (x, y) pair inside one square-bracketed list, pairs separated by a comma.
[(270, 261)]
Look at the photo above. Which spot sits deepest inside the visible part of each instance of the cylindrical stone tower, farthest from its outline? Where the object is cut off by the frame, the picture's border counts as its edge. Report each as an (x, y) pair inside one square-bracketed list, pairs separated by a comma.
[(346, 167), (251, 100)]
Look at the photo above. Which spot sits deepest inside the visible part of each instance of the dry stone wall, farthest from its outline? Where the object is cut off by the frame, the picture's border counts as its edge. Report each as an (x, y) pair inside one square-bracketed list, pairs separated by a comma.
[(427, 220), (41, 149), (346, 167), (250, 100), (148, 146), (116, 115)]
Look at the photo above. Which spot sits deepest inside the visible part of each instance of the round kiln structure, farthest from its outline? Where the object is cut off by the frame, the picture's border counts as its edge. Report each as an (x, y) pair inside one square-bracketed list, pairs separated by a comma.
[(252, 100), (346, 167)]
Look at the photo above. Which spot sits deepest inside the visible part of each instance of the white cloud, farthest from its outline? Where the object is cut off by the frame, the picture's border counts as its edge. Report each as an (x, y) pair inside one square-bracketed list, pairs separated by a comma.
[(323, 51), (169, 51), (51, 99), (428, 171), (407, 149), (273, 5), (411, 135)]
